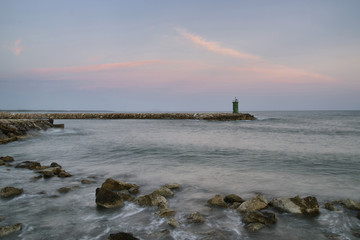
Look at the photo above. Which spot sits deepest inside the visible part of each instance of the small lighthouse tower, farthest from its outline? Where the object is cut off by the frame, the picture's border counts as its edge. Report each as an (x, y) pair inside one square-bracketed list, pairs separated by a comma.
[(235, 106)]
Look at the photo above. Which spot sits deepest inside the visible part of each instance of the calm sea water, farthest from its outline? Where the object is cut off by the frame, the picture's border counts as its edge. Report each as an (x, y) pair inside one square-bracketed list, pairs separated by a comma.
[(283, 154)]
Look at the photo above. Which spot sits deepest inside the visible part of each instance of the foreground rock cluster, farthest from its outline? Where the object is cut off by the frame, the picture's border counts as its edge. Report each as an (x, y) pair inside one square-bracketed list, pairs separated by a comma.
[(199, 116), (14, 129)]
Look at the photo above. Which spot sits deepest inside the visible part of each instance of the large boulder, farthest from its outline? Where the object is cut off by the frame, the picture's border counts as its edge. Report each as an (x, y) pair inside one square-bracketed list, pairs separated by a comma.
[(108, 199), (217, 201), (7, 230), (122, 236), (114, 185), (308, 205), (195, 217), (255, 220), (29, 165), (8, 192), (253, 204)]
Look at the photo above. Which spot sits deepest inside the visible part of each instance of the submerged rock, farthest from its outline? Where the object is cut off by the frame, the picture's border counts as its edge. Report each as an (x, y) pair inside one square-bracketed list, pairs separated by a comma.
[(64, 174), (2, 162), (330, 206), (87, 181), (195, 217), (255, 220), (114, 185), (173, 186), (308, 205), (217, 201), (151, 200), (122, 236), (166, 212), (358, 215), (108, 199), (7, 230), (253, 204), (172, 222), (8, 192), (164, 191), (162, 235)]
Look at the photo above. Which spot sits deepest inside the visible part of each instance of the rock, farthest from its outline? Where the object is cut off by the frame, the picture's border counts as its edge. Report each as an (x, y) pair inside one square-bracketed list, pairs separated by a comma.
[(358, 215), (67, 189), (195, 217), (164, 213), (173, 186), (309, 205), (55, 165), (235, 205), (8, 192), (232, 198), (108, 199), (29, 165), (217, 201), (37, 177), (134, 190), (7, 230), (126, 196), (64, 174), (164, 191), (122, 236), (47, 173), (152, 200), (2, 162), (351, 204), (253, 204), (115, 185), (330, 206), (7, 159), (172, 222), (87, 181), (286, 205), (253, 227), (297, 205)]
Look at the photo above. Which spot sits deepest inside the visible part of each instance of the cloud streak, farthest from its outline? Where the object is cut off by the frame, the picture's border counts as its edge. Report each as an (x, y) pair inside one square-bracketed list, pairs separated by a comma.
[(94, 68), (215, 47), (16, 48)]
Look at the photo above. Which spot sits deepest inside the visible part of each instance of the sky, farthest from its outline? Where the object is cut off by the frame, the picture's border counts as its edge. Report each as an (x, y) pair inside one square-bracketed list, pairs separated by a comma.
[(164, 55)]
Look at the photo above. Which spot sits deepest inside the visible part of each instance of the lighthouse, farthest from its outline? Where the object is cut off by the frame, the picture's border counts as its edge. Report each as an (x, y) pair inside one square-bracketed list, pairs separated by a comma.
[(235, 106)]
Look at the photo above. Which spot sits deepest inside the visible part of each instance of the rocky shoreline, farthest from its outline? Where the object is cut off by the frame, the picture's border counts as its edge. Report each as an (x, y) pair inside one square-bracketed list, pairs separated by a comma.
[(15, 129), (255, 213), (195, 116)]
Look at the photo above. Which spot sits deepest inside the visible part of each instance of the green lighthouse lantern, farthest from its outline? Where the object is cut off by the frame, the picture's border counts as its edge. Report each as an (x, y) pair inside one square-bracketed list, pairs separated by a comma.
[(235, 106)]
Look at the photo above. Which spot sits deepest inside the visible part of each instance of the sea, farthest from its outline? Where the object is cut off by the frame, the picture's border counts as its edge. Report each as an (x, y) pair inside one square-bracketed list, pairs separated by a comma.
[(279, 155)]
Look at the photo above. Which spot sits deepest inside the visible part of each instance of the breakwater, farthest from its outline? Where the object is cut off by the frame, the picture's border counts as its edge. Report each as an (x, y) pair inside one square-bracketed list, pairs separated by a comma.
[(197, 116), (15, 129)]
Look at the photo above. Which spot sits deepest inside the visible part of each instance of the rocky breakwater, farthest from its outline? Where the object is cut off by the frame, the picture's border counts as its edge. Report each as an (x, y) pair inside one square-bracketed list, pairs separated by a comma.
[(196, 116), (15, 129)]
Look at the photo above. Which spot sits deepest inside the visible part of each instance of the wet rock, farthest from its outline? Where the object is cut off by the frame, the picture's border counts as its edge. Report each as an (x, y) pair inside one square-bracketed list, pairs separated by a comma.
[(165, 213), (235, 205), (217, 201), (64, 174), (172, 222), (7, 159), (151, 200), (114, 185), (8, 192), (2, 162), (55, 165), (67, 189), (358, 215), (8, 165), (37, 177), (164, 191), (47, 173), (87, 181), (253, 204), (134, 190), (108, 199), (233, 198), (330, 206), (122, 236), (308, 205), (255, 220), (126, 196), (173, 186), (7, 230), (351, 204), (29, 165), (195, 217)]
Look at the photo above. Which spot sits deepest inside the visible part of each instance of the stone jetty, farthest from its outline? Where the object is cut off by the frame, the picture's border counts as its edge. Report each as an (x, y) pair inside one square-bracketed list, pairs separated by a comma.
[(196, 116)]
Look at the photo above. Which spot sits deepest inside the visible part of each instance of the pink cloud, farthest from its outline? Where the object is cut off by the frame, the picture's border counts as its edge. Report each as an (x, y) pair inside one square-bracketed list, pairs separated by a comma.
[(16, 48), (215, 47), (94, 68)]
